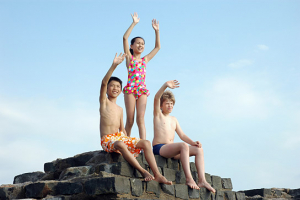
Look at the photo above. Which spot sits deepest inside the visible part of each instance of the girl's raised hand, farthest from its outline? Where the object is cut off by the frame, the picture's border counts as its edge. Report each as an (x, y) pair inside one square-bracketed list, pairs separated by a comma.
[(173, 84), (155, 24), (135, 18), (119, 59)]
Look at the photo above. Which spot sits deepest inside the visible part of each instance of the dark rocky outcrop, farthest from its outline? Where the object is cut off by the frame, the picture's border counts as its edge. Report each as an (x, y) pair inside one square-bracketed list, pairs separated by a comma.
[(101, 175)]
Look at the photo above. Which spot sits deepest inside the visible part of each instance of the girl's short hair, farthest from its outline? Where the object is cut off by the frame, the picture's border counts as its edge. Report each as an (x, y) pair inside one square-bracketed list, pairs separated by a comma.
[(132, 42), (167, 95)]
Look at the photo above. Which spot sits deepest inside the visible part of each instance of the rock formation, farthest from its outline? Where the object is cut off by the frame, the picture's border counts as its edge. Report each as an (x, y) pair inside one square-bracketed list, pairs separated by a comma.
[(100, 175)]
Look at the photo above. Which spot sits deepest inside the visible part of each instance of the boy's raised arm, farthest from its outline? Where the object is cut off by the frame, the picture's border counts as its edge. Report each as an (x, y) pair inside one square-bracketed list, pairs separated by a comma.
[(117, 60), (169, 84)]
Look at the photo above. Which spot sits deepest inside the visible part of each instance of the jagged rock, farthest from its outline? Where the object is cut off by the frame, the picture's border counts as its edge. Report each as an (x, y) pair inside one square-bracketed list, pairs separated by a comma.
[(261, 192), (208, 178), (122, 168), (229, 195), (240, 196), (99, 175), (168, 189), (193, 193), (153, 187), (205, 194), (216, 182), (73, 172), (169, 174), (180, 177), (181, 191), (8, 192), (160, 161), (226, 184), (115, 185), (28, 177), (219, 195), (136, 187), (172, 164)]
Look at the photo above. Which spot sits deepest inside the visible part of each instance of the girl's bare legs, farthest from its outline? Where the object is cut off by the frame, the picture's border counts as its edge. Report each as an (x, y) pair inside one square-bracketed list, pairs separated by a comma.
[(182, 148), (140, 115), (146, 146), (199, 162), (119, 145), (130, 109)]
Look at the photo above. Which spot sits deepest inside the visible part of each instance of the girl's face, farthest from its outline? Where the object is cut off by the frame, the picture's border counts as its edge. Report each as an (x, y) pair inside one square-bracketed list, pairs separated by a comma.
[(138, 45)]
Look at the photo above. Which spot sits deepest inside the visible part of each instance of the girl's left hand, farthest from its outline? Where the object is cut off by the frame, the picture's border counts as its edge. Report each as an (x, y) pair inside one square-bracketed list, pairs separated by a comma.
[(198, 144), (155, 24)]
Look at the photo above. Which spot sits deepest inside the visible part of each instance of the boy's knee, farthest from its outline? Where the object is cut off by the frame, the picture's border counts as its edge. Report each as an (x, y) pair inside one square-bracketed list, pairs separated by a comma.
[(119, 145), (184, 145), (145, 143)]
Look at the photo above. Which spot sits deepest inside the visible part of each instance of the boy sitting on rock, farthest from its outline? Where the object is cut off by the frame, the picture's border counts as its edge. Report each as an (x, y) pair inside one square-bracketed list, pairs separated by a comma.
[(112, 131), (164, 133)]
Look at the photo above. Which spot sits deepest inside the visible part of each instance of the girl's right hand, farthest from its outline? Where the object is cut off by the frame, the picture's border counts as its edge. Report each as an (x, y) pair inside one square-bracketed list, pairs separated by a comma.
[(135, 18)]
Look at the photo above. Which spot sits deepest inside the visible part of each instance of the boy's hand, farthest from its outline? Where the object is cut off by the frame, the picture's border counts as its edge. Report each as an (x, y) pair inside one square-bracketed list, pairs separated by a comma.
[(198, 144), (119, 59), (172, 84), (155, 25), (135, 18)]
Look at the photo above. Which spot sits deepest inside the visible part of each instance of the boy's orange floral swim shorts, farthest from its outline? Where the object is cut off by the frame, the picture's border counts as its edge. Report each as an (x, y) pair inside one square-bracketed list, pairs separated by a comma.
[(107, 143)]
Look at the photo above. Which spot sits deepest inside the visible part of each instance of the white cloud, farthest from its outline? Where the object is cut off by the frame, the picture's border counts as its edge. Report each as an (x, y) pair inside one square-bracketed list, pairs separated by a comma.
[(35, 131), (240, 63), (263, 47), (235, 98)]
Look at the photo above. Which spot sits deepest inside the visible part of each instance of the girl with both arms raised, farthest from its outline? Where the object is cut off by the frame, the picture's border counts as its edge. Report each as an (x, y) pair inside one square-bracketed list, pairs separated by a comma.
[(135, 92)]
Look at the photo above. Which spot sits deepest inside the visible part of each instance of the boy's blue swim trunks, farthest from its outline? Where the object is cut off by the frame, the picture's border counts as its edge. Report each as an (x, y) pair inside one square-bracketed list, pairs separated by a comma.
[(156, 148)]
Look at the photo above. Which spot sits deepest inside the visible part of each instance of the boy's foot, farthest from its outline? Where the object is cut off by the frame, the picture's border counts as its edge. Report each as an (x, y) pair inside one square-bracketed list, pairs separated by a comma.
[(161, 179), (147, 176), (207, 186), (192, 184)]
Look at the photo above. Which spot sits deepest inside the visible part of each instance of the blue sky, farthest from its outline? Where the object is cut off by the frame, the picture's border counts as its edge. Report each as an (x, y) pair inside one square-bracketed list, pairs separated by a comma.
[(237, 62)]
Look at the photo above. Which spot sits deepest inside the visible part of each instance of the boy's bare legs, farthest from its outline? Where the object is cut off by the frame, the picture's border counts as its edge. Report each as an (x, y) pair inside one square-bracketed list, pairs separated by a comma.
[(146, 146), (172, 150), (140, 115), (119, 145), (199, 162), (130, 101)]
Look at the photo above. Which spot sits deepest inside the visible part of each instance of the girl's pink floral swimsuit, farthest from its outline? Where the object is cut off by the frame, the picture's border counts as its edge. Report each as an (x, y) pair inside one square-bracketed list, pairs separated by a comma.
[(136, 84)]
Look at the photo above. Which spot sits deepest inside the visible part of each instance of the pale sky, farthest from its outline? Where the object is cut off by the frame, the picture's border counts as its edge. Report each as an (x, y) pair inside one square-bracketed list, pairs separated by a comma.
[(237, 63)]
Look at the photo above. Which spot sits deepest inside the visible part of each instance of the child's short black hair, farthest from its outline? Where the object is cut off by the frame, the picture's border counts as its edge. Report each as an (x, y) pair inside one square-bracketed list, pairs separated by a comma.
[(113, 78)]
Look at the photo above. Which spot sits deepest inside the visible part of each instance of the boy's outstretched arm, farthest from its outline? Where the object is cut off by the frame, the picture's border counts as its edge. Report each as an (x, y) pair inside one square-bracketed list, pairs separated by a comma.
[(184, 137), (169, 84), (117, 60)]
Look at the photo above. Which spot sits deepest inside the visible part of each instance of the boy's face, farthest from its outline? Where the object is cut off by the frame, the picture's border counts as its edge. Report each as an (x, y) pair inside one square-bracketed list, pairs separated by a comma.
[(113, 89), (167, 106)]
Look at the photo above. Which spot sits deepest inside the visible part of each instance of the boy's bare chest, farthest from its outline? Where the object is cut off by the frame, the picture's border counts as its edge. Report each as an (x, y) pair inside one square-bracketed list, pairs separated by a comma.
[(167, 123), (110, 112)]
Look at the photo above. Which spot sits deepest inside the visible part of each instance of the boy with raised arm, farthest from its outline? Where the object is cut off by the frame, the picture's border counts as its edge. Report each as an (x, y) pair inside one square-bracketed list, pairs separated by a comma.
[(112, 131), (164, 133)]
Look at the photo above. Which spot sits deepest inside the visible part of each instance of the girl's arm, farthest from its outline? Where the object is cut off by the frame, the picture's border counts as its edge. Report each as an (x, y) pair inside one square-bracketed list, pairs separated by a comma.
[(155, 25), (127, 33)]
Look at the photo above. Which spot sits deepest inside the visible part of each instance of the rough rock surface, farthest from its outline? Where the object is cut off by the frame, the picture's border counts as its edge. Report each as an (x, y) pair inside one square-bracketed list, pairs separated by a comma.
[(101, 175)]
